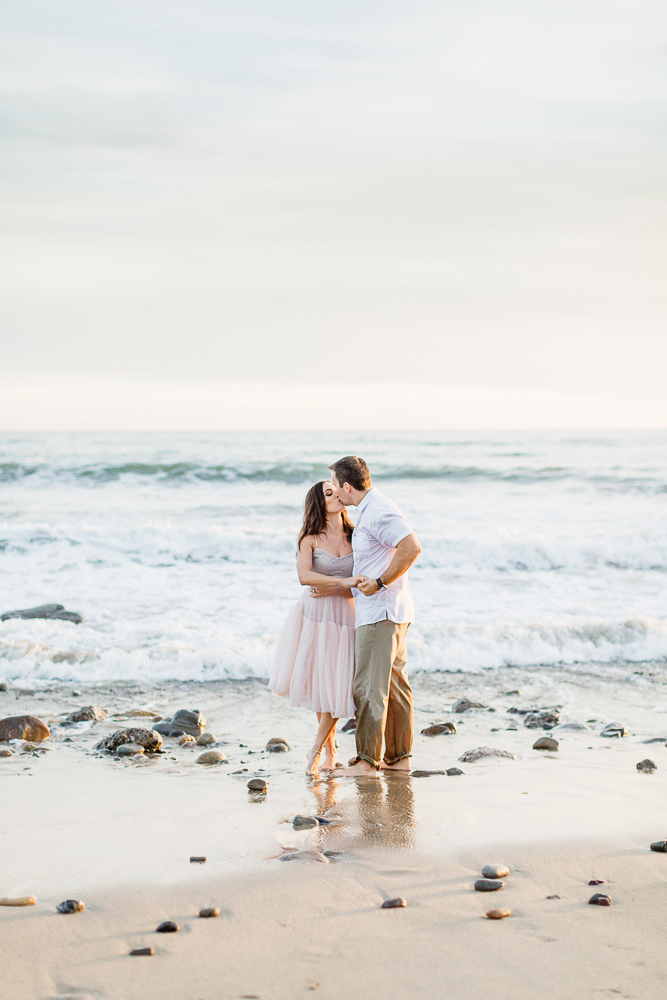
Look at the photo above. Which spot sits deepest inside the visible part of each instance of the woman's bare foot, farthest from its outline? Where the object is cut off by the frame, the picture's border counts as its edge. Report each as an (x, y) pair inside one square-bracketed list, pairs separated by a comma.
[(330, 763), (313, 764)]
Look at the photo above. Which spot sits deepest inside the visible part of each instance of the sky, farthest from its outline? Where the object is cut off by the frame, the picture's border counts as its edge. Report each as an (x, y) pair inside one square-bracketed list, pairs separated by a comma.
[(224, 198)]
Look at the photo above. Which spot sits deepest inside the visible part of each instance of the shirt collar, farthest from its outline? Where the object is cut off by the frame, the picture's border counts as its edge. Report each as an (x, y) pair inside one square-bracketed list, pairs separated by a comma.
[(363, 503)]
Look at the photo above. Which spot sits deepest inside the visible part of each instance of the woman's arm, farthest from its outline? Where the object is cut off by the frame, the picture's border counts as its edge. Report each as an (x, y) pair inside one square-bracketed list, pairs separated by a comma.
[(308, 578)]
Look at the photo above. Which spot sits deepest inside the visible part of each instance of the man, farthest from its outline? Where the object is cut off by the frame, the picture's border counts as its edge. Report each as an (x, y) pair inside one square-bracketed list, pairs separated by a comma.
[(384, 548)]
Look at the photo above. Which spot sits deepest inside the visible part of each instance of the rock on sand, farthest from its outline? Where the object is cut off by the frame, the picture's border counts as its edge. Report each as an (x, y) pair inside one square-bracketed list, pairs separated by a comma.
[(24, 727), (18, 901), (472, 755), (184, 721), (213, 757), (149, 739)]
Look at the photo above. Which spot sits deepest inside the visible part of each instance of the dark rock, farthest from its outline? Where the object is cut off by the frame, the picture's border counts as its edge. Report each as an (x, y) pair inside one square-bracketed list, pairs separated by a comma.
[(660, 846), (209, 911), (647, 765), (277, 741), (70, 906), (599, 899), (471, 755), (454, 771), (553, 897), (167, 927), (495, 871), (498, 914), (488, 884), (545, 743), (656, 739), (425, 774), (349, 726), (438, 728), (257, 785), (44, 611), (174, 734), (304, 822), (596, 881), (614, 729), (544, 718), (393, 904), (129, 749), (142, 951), (149, 739), (198, 859), (191, 723), (24, 727), (213, 757), (90, 713), (465, 704), (4, 686), (518, 711), (279, 748)]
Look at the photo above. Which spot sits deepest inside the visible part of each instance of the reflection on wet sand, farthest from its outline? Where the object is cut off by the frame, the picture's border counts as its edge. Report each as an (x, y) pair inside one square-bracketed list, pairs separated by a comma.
[(380, 811)]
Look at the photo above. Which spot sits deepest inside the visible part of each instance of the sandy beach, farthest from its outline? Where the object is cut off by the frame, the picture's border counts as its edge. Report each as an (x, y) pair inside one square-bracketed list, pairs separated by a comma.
[(118, 834)]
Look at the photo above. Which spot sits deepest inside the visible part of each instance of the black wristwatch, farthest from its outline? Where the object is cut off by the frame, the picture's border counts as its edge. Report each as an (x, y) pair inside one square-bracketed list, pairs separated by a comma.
[(381, 585)]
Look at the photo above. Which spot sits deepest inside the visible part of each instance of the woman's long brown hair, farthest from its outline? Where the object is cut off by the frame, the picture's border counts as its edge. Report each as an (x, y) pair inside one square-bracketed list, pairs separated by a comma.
[(315, 514)]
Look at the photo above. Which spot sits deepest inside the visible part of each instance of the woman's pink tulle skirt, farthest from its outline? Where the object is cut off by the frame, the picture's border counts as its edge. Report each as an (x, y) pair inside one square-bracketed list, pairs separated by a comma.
[(314, 661)]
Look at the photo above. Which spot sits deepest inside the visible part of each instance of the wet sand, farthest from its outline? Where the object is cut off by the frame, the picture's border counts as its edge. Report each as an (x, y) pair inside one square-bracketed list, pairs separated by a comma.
[(119, 834)]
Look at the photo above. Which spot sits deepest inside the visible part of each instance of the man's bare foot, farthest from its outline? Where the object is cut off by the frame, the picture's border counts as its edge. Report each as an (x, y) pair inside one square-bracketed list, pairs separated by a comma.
[(361, 767), (400, 765), (313, 764)]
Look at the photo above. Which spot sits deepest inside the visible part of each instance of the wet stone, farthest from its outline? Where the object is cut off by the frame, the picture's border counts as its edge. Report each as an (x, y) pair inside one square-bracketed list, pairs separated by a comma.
[(167, 927), (142, 951), (213, 757), (495, 871), (600, 899), (394, 904), (648, 766), (198, 859), (660, 846), (209, 911), (24, 727), (149, 739), (18, 901), (488, 884), (614, 729), (304, 822), (277, 741), (545, 743), (596, 881), (425, 774), (440, 728), (454, 771), (545, 718), (498, 914), (185, 722), (554, 896), (465, 704), (129, 749), (71, 906), (257, 785)]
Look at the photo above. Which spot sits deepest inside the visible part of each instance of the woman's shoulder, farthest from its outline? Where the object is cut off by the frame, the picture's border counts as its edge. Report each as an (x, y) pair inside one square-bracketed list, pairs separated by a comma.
[(308, 542)]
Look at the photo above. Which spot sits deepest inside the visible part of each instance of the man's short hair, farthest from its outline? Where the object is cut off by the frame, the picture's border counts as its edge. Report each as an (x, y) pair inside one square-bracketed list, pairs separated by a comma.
[(352, 470)]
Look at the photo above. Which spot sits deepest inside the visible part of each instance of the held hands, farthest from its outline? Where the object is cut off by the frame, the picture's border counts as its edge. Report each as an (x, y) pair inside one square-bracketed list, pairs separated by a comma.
[(368, 587), (342, 590)]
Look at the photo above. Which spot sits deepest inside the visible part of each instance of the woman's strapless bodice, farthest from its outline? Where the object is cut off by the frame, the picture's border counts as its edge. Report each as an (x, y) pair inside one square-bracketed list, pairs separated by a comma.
[(328, 565)]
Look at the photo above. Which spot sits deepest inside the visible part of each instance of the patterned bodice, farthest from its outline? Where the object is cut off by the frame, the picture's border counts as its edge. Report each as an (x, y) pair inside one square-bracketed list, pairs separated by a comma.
[(328, 565)]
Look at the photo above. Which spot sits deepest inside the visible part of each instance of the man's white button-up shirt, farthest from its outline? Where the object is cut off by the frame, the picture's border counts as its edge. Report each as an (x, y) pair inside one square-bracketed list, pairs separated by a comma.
[(378, 529)]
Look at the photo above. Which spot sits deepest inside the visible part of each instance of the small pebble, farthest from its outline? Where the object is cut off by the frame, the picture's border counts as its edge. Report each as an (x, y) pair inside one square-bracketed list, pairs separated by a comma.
[(5, 752), (198, 859), (596, 881), (129, 749), (28, 747), (439, 728), (142, 951), (257, 785), (660, 846), (167, 927), (393, 904), (209, 911), (647, 765), (70, 906), (303, 822), (278, 748), (213, 757), (488, 884), (4, 686), (495, 871), (276, 741), (18, 901), (553, 897), (545, 743), (425, 774), (498, 914), (599, 899), (184, 740), (206, 739), (453, 771)]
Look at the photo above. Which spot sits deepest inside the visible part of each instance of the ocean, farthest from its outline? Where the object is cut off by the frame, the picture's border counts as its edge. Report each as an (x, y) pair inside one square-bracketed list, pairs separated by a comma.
[(179, 549)]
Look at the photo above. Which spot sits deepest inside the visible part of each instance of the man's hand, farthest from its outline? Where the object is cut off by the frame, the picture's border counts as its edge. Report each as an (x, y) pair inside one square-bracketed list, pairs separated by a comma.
[(369, 587)]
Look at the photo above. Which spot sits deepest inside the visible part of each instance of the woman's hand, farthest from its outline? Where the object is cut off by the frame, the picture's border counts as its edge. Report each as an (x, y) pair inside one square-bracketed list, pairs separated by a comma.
[(353, 581)]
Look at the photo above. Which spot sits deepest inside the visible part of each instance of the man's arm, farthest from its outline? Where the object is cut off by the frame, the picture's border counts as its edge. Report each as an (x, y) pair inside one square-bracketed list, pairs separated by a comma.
[(406, 552)]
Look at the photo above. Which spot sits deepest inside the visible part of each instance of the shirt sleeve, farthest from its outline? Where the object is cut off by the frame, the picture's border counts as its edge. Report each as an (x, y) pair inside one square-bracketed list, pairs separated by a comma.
[(390, 527)]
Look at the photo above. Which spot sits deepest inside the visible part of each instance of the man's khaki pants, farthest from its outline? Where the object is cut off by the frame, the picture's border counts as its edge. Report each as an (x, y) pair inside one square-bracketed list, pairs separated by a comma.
[(382, 694)]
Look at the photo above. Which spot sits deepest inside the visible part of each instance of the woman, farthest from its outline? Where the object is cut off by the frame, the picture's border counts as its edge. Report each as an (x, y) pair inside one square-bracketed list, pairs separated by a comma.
[(314, 661)]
